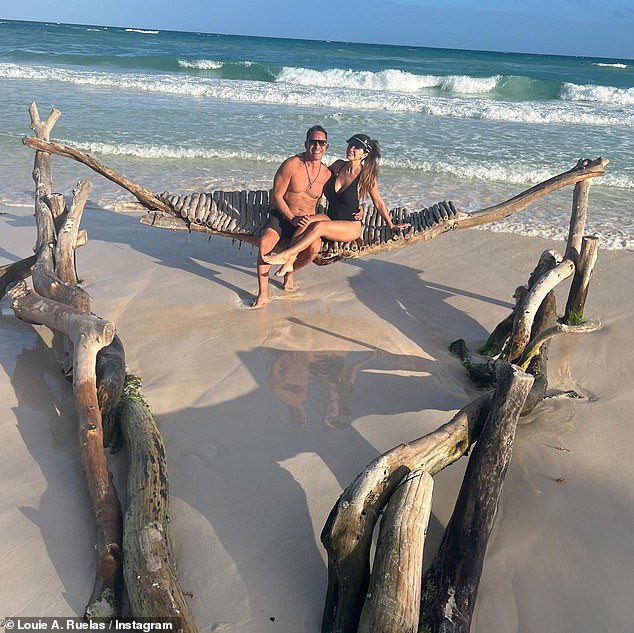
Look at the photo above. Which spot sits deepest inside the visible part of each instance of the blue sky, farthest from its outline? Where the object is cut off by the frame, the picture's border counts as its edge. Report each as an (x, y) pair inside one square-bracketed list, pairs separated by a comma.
[(567, 27)]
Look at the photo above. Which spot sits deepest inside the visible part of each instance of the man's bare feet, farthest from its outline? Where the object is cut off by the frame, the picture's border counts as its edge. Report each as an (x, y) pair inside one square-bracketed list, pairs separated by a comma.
[(260, 301)]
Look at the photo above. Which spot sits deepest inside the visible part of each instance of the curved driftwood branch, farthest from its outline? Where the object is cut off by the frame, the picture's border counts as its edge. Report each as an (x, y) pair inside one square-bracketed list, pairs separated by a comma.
[(534, 347), (147, 197), (347, 534), (456, 570), (88, 334), (582, 171), (149, 575), (525, 317), (393, 601)]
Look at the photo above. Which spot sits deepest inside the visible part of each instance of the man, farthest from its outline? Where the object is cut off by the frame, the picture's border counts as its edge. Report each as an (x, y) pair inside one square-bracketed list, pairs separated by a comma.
[(297, 187)]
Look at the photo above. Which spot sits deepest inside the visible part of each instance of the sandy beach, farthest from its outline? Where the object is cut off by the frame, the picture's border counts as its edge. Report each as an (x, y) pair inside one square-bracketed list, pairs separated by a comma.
[(268, 414)]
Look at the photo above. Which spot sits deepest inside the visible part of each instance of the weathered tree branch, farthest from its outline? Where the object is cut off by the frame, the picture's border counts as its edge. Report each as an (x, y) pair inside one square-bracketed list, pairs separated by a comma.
[(582, 171), (392, 604), (347, 534), (10, 273), (88, 334), (581, 280), (456, 570), (525, 317), (67, 235), (145, 196), (149, 574), (534, 347)]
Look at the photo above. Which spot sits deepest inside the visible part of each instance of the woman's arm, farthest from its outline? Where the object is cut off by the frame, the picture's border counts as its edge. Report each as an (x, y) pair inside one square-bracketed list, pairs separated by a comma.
[(379, 205)]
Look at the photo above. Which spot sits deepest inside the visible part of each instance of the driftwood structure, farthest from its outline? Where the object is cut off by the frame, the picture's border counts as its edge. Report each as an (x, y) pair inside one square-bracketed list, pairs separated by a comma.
[(395, 489), (89, 351), (242, 214), (516, 364)]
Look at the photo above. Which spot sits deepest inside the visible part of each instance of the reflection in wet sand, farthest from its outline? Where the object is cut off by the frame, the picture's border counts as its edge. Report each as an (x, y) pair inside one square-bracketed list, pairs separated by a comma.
[(319, 382)]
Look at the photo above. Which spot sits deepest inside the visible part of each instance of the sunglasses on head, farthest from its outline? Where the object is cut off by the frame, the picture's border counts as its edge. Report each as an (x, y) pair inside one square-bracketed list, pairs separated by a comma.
[(317, 141)]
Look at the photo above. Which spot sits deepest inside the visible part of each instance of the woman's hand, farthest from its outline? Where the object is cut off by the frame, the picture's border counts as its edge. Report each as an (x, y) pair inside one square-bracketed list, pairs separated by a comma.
[(400, 227)]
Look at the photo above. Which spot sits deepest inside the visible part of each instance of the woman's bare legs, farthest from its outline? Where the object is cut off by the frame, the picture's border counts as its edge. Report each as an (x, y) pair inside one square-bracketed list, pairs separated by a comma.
[(306, 256), (336, 230)]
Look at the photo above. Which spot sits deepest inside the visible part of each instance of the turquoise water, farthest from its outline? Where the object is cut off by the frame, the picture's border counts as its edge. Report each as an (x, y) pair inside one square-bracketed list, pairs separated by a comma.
[(193, 111)]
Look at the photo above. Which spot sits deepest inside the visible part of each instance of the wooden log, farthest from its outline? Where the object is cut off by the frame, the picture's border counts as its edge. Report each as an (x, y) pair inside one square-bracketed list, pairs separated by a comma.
[(12, 273), (88, 334), (456, 570), (545, 318), (577, 220), (192, 206), (347, 534), (110, 373), (45, 281), (147, 565), (186, 206), (221, 211), (171, 222), (393, 601), (581, 280), (67, 236), (582, 171), (250, 218), (129, 206), (213, 210), (180, 205), (202, 210), (42, 169), (525, 317), (145, 196)]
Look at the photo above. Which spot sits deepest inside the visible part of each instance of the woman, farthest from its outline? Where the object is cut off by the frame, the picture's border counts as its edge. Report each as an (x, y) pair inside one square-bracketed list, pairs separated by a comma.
[(352, 180)]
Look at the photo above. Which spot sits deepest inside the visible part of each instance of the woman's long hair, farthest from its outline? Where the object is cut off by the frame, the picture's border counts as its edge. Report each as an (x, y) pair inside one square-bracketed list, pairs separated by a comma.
[(369, 167)]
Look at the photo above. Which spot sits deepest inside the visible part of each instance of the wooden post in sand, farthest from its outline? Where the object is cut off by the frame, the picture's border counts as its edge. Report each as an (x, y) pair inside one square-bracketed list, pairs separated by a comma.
[(454, 576), (581, 280)]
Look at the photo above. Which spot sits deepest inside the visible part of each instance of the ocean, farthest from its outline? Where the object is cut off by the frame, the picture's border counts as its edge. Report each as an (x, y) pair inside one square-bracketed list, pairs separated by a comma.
[(180, 112)]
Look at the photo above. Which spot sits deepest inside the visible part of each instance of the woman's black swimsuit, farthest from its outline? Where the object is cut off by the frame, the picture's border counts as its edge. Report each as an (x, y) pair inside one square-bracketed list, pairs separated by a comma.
[(342, 204)]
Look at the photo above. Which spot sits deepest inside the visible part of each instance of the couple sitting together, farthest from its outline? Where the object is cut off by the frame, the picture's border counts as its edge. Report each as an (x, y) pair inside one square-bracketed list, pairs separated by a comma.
[(298, 185)]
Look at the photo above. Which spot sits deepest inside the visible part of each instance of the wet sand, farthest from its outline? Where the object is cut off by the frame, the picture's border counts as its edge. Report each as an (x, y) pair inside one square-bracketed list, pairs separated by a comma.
[(268, 414)]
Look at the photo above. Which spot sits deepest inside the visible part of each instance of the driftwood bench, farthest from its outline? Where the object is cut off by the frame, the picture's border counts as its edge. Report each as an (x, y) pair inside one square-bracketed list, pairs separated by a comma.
[(243, 214)]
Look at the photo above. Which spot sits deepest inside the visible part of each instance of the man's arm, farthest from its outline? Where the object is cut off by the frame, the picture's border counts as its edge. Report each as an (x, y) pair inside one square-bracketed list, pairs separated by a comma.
[(281, 184)]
